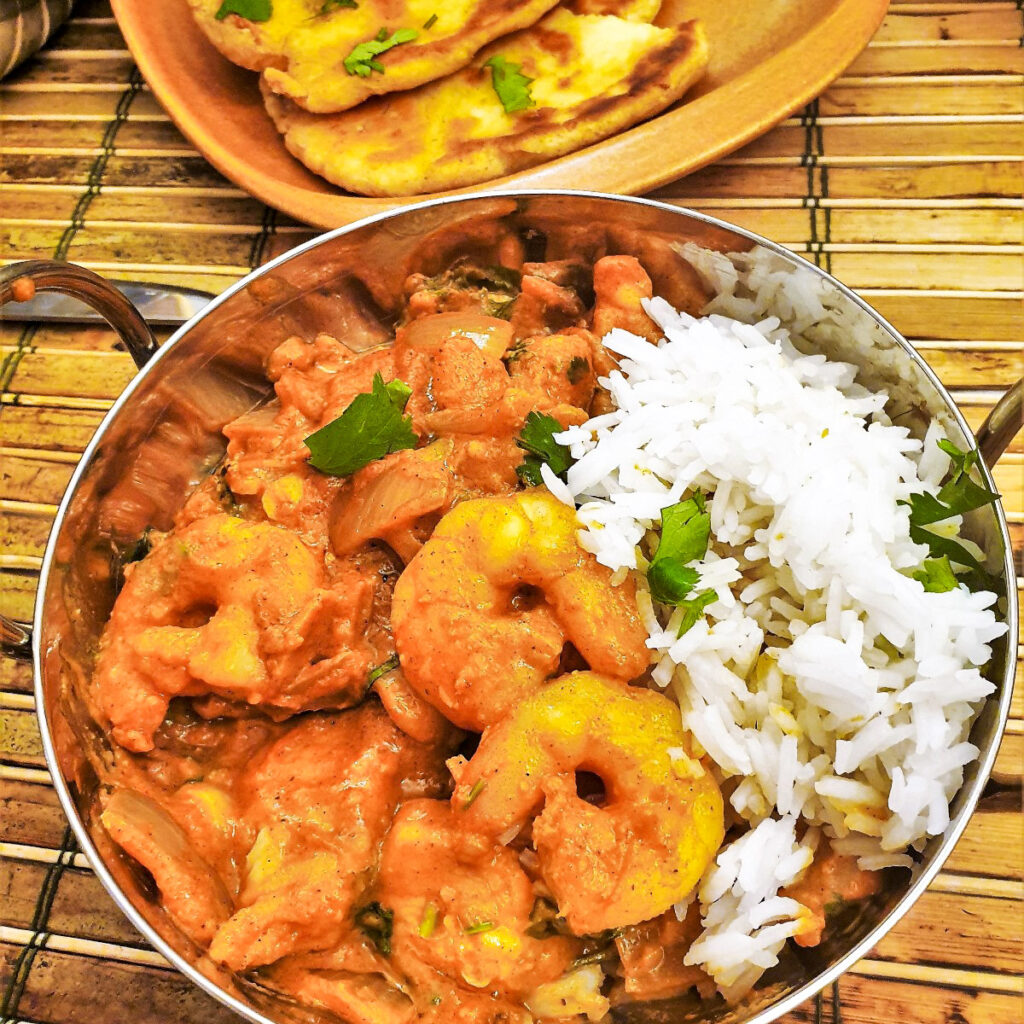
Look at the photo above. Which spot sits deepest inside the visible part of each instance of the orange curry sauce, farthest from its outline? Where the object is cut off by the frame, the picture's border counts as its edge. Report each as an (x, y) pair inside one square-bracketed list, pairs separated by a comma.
[(312, 805)]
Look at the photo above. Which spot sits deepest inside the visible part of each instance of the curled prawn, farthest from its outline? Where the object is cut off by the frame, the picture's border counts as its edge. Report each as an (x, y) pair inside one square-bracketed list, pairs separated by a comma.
[(233, 608), (482, 613), (462, 906), (318, 803), (661, 821)]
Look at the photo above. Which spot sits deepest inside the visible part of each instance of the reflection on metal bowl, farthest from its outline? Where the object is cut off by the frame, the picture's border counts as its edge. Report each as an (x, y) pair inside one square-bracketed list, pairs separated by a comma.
[(164, 432)]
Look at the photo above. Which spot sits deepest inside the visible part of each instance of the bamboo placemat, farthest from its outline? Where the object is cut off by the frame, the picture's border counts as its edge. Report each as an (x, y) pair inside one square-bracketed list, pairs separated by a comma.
[(904, 179)]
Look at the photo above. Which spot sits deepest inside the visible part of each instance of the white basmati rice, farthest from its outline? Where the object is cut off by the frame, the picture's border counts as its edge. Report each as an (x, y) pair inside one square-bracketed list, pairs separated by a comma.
[(746, 922), (823, 677)]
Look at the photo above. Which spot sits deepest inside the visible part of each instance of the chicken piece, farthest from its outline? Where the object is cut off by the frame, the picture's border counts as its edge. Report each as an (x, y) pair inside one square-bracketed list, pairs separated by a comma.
[(620, 285)]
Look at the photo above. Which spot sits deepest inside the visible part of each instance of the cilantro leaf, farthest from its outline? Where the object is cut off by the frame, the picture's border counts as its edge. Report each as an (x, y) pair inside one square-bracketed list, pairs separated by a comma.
[(937, 575), (939, 546), (537, 440), (685, 531), (958, 495), (670, 581), (371, 427), (528, 472), (962, 461), (511, 85), (693, 609), (251, 10), (361, 60), (578, 369), (329, 6)]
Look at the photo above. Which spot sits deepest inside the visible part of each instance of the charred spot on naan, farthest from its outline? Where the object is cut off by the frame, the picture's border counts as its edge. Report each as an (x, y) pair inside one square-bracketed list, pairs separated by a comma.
[(591, 76)]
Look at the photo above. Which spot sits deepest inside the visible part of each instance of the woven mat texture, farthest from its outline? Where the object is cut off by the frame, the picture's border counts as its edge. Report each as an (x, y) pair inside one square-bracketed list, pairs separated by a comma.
[(904, 180)]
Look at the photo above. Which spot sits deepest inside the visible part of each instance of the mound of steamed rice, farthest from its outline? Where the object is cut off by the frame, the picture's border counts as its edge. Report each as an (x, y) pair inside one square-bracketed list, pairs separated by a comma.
[(824, 680)]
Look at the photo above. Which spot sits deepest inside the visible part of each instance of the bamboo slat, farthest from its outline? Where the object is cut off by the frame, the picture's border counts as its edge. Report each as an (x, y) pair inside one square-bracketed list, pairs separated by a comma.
[(972, 23), (904, 179), (924, 95)]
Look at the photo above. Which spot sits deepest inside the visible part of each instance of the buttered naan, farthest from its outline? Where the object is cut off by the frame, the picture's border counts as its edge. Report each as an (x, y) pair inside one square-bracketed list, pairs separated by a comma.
[(329, 55), (570, 80), (632, 10)]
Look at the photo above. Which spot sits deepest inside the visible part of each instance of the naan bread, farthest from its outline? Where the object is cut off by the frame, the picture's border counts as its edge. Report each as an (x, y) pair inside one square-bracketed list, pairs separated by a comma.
[(592, 76), (631, 10), (302, 47)]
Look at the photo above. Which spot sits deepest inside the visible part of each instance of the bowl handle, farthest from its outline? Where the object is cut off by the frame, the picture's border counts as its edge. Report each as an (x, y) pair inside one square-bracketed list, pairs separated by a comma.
[(18, 283), (1001, 424)]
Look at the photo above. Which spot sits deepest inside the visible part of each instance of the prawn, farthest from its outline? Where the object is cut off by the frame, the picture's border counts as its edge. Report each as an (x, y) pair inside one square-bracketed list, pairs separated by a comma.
[(233, 608), (661, 821), (482, 613), (319, 803), (462, 906)]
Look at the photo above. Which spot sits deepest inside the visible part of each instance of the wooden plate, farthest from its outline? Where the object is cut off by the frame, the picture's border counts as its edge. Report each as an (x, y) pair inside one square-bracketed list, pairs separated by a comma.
[(767, 60)]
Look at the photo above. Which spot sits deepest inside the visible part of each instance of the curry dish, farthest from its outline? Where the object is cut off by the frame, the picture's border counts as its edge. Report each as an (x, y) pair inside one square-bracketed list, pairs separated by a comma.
[(385, 739)]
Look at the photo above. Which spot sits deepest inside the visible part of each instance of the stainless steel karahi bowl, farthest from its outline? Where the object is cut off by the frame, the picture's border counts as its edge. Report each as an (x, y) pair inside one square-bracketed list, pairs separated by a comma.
[(163, 434)]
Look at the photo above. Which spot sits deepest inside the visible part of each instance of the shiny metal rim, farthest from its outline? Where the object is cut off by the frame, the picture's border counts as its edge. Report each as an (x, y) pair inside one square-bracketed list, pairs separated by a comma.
[(769, 1013)]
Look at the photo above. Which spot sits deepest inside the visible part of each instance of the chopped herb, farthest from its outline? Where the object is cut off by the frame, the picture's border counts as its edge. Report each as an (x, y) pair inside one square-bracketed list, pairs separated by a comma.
[(596, 948), (545, 921), (430, 22), (371, 427), (537, 439), (495, 288), (377, 923), (336, 5), (939, 546), (937, 575), (685, 531), (478, 927), (511, 85), (595, 956), (227, 498), (435, 1000), (138, 550), (361, 60), (515, 351), (382, 669), (478, 788), (578, 367), (251, 10), (957, 496), (429, 921), (501, 309), (835, 904), (693, 609)]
